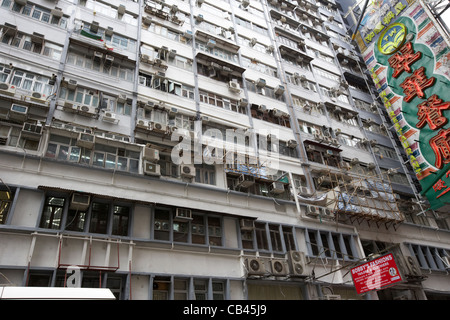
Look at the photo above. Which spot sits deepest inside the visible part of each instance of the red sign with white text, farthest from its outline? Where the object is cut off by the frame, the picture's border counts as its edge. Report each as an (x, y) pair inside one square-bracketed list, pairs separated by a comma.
[(376, 274)]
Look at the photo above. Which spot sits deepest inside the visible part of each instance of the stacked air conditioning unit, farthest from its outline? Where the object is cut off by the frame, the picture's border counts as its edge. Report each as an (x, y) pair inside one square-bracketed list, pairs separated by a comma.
[(297, 263), (151, 169), (151, 154)]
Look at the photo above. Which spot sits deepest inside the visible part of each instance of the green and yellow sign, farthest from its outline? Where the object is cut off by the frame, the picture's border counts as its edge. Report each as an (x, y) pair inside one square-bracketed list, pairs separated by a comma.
[(408, 62)]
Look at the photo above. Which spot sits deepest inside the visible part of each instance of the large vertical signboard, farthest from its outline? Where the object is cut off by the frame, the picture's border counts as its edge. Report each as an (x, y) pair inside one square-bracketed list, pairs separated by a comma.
[(409, 62)]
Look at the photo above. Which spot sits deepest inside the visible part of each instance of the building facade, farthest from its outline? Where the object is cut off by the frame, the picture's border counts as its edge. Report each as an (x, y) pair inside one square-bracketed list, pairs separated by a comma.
[(202, 150)]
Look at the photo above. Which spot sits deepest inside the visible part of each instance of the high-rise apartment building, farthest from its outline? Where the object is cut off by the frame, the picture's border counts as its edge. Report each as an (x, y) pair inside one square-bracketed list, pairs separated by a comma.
[(202, 150)]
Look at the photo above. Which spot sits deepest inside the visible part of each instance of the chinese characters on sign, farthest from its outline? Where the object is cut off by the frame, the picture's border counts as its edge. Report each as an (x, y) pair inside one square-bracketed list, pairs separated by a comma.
[(440, 184), (430, 111), (415, 85), (441, 147), (403, 60)]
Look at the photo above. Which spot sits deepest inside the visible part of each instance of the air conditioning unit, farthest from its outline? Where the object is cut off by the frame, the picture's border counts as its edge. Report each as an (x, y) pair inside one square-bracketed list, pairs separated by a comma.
[(279, 267), (247, 224), (98, 56), (262, 108), (276, 187), (245, 181), (303, 190), (255, 266), (317, 135), (261, 82), (354, 161), (140, 123), (158, 127), (277, 113), (234, 86), (121, 9), (335, 141), (18, 112), (310, 147), (57, 12), (7, 89), (327, 212), (407, 264), (38, 97), (109, 116), (188, 34), (109, 59), (87, 110), (151, 169), (182, 214), (345, 165), (151, 154), (297, 263), (243, 102), (80, 201), (292, 143), (86, 140), (312, 210), (279, 89), (392, 171), (211, 43), (32, 131), (328, 153), (253, 41), (199, 18), (188, 170), (70, 107)]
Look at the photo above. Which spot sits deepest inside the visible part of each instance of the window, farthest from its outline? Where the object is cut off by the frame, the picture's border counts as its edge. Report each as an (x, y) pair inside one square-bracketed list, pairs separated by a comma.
[(331, 245), (431, 258), (32, 82), (75, 220), (162, 224), (115, 158), (205, 174), (261, 236), (6, 198), (36, 12), (52, 213), (15, 138), (108, 157), (99, 218), (202, 229), (121, 216), (78, 58), (80, 95)]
